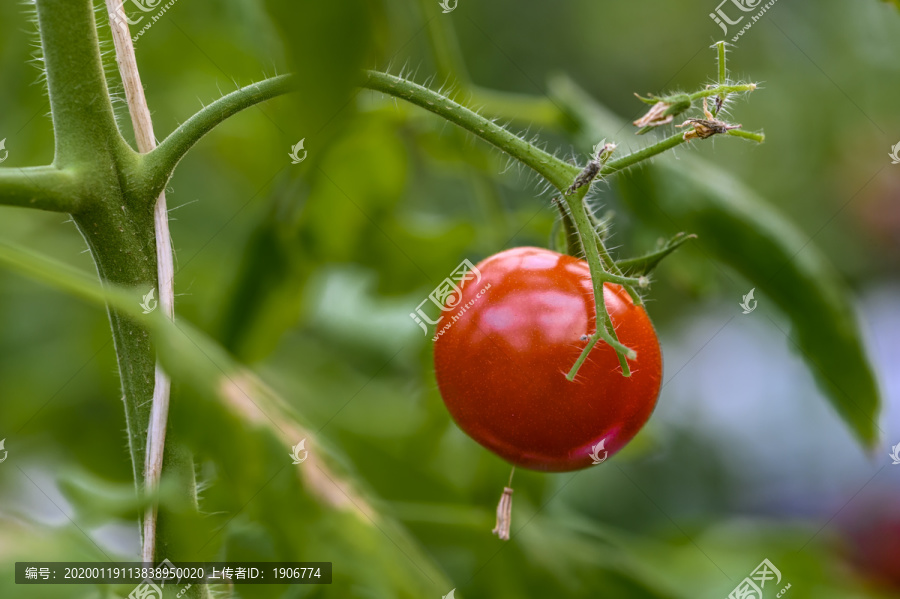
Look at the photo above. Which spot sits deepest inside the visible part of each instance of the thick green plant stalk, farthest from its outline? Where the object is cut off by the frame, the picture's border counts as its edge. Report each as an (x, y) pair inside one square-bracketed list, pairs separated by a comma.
[(90, 148), (95, 165)]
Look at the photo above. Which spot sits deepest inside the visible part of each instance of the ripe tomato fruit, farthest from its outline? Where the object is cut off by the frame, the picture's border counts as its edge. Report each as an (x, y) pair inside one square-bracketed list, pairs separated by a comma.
[(501, 365)]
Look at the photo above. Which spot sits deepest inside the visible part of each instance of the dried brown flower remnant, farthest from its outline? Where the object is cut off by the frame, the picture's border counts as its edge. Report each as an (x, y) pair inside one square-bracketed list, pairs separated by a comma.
[(662, 111), (504, 515), (655, 116), (706, 127), (703, 128)]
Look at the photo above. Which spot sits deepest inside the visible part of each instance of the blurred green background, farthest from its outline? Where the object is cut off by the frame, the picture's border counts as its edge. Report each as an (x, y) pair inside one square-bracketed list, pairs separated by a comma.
[(308, 273)]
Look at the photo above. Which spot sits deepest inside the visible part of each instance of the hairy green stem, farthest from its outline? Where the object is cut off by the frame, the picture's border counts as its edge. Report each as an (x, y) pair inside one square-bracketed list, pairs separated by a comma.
[(723, 73), (723, 90), (560, 174), (83, 121), (554, 170), (604, 329), (93, 177), (619, 164), (41, 187), (119, 233), (158, 165), (757, 137)]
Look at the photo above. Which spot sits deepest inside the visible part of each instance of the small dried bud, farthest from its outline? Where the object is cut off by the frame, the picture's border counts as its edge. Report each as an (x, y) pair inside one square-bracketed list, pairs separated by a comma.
[(703, 128), (585, 177), (504, 515), (664, 110), (655, 117), (604, 150)]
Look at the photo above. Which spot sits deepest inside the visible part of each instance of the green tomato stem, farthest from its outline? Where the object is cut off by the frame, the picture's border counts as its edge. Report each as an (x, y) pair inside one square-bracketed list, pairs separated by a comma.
[(723, 73), (757, 137), (560, 174), (84, 125), (723, 89), (629, 160), (41, 187), (157, 166), (599, 276)]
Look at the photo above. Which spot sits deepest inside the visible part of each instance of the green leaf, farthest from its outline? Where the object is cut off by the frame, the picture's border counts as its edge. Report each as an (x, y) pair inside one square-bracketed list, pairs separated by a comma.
[(392, 555), (99, 500), (643, 265), (742, 230)]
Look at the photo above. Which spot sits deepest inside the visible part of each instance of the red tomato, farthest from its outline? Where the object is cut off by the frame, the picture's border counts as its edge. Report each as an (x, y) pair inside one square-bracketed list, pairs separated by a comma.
[(501, 365)]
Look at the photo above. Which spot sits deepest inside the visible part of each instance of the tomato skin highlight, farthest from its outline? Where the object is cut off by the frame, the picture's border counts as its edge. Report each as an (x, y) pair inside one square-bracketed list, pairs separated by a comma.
[(501, 365)]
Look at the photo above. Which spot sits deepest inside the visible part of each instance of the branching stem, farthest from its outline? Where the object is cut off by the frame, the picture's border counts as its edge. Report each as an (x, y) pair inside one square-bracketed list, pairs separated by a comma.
[(159, 164), (154, 168)]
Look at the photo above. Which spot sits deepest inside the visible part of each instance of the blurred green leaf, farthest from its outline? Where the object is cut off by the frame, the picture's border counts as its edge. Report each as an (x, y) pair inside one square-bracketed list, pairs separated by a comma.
[(196, 361), (98, 500), (328, 44)]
